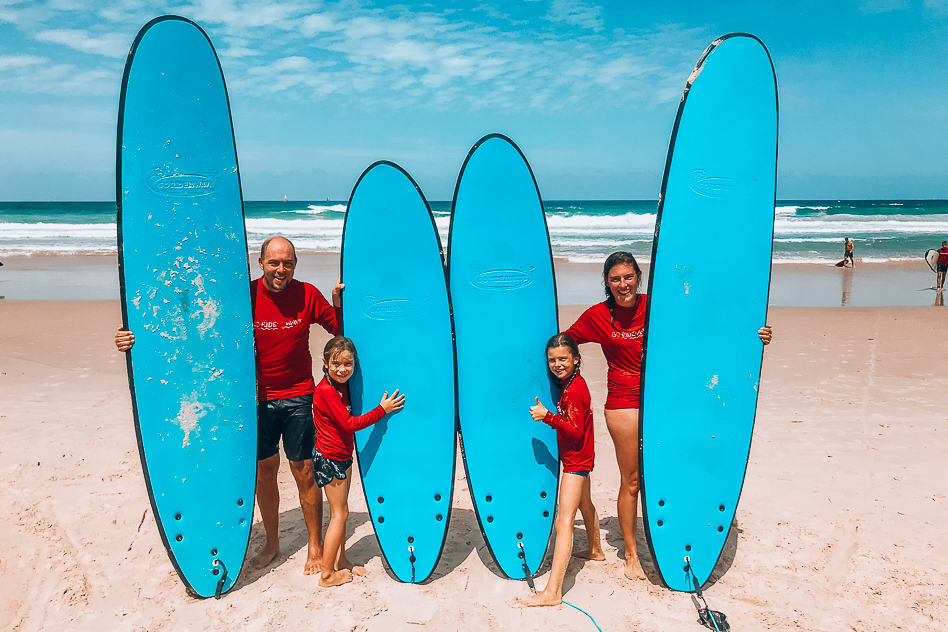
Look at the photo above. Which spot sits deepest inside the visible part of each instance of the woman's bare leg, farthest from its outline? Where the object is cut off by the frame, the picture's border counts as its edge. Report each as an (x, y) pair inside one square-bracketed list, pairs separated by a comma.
[(623, 425), (337, 493), (591, 522), (571, 491)]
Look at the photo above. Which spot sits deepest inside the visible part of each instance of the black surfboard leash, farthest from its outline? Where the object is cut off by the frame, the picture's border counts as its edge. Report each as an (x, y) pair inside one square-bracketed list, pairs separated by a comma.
[(711, 619)]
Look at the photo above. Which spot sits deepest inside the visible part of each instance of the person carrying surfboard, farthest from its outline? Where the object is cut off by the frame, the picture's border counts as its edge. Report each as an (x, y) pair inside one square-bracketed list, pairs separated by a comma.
[(283, 311), (617, 324), (332, 453), (574, 437), (942, 268)]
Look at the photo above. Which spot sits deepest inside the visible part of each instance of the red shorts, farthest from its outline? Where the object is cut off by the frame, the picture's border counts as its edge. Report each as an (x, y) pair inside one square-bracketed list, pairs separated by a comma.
[(623, 391)]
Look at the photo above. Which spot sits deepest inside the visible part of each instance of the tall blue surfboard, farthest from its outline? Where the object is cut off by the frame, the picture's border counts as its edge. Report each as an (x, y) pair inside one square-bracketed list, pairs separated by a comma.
[(185, 295), (500, 272), (396, 311), (703, 356)]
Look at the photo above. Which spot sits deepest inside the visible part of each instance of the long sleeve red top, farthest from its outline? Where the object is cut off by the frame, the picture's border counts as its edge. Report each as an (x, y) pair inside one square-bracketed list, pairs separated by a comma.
[(335, 424), (281, 322), (573, 422), (621, 336)]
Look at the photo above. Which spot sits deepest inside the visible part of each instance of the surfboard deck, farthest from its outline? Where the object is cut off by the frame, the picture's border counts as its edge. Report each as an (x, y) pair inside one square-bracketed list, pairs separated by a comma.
[(500, 272), (396, 311), (931, 258), (185, 294), (702, 363)]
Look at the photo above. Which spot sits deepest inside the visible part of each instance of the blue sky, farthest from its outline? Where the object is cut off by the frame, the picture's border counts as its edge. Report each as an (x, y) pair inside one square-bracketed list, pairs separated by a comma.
[(319, 90)]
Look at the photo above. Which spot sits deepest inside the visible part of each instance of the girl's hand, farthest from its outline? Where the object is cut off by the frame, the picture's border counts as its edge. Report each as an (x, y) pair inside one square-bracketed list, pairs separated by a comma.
[(766, 334), (393, 403), (124, 339), (539, 411)]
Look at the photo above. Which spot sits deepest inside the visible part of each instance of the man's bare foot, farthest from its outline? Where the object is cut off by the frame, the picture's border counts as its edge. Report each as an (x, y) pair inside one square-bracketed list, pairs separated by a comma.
[(633, 570), (314, 562), (540, 599), (264, 557), (595, 555), (338, 578)]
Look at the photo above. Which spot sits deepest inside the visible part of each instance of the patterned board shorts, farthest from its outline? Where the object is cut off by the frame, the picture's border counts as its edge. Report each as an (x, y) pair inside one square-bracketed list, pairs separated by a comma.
[(326, 469)]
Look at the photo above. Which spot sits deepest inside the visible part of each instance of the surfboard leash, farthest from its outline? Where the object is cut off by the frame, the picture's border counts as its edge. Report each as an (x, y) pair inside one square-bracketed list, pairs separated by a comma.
[(222, 580), (711, 619), (529, 577), (411, 560)]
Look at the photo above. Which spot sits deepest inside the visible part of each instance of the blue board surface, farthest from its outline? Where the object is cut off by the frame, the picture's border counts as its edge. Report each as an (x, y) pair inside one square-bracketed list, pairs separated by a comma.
[(396, 311), (703, 356), (185, 295), (500, 272)]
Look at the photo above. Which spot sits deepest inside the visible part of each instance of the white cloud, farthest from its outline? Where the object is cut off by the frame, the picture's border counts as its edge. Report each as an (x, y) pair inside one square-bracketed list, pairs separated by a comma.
[(108, 45), (576, 13)]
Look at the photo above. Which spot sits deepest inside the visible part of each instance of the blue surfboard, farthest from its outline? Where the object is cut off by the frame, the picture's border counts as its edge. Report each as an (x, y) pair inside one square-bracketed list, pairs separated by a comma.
[(185, 294), (500, 272), (703, 357), (396, 311)]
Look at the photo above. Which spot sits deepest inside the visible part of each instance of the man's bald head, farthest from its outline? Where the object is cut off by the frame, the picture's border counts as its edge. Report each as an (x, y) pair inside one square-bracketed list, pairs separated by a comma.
[(278, 241)]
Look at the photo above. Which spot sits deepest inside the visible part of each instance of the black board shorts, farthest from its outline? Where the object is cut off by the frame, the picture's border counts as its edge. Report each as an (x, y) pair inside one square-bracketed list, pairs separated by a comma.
[(326, 469), (291, 418)]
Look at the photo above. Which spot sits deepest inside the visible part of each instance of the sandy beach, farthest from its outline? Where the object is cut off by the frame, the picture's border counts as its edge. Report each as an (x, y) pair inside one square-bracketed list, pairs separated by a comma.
[(837, 528)]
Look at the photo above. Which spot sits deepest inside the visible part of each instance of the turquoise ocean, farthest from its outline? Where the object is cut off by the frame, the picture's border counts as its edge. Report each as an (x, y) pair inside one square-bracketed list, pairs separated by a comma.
[(806, 231)]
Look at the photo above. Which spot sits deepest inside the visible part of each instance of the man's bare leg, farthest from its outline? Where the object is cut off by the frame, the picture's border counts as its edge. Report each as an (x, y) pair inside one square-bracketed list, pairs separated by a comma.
[(591, 522), (311, 502), (623, 425), (268, 500)]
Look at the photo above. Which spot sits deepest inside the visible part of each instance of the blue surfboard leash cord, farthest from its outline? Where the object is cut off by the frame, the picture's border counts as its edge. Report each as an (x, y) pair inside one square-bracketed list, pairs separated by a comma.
[(711, 619), (529, 577)]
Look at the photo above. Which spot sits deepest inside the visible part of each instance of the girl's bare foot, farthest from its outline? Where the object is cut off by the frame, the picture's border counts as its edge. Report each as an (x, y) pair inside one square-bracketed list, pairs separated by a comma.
[(346, 564), (633, 570), (541, 599), (337, 578), (596, 555)]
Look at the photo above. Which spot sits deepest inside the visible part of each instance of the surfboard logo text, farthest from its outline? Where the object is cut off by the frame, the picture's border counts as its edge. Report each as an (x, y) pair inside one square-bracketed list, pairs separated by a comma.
[(180, 184), (505, 278), (710, 186), (384, 309)]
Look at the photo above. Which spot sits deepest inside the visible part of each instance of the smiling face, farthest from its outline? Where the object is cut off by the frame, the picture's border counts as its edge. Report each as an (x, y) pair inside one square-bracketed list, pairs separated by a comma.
[(339, 367), (278, 264), (623, 282), (561, 361)]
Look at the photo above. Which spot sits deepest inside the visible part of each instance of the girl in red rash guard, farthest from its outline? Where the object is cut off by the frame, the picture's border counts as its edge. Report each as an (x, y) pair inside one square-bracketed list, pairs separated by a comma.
[(618, 324), (574, 436), (332, 455)]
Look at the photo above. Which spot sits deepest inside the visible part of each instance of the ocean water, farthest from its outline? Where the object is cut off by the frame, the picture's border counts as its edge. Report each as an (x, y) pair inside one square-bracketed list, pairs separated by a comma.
[(806, 231)]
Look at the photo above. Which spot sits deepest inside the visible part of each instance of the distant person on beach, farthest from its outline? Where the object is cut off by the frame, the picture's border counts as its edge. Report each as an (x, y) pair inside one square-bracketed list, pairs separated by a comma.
[(942, 266), (573, 422), (617, 324), (283, 310), (332, 453), (849, 248)]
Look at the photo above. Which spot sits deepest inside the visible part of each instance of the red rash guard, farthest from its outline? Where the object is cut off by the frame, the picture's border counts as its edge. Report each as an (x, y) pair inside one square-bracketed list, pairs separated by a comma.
[(281, 323), (573, 422), (335, 424), (943, 256), (621, 340)]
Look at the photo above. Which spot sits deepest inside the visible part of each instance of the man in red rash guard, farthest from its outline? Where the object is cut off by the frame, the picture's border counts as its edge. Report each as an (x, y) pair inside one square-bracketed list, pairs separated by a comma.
[(283, 310), (621, 338), (942, 265)]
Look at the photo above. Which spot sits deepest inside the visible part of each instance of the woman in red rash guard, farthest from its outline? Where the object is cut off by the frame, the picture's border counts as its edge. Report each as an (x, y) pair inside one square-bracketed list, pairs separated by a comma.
[(618, 325), (332, 454), (574, 437)]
